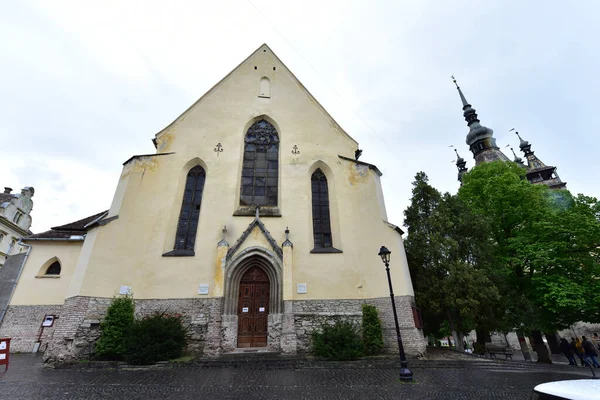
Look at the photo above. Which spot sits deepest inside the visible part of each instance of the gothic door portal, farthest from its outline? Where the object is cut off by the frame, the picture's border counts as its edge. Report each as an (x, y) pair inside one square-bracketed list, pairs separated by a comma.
[(253, 309)]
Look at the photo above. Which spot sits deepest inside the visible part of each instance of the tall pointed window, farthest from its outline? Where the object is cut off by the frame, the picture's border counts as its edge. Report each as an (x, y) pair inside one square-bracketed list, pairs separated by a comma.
[(260, 171), (320, 210), (190, 209)]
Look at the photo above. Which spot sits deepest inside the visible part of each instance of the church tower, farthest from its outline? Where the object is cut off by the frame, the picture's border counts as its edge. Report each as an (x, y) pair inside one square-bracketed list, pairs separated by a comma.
[(480, 138), (537, 171)]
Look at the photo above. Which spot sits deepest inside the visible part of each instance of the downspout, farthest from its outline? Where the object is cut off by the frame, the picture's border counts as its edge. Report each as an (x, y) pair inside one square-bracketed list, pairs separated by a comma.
[(12, 291)]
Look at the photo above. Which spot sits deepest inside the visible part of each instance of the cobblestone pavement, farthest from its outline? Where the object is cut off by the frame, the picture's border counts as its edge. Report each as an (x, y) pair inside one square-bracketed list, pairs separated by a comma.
[(27, 379)]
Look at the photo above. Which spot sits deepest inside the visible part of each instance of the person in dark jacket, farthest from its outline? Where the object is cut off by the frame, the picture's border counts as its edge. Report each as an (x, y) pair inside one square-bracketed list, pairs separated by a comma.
[(590, 351), (565, 347)]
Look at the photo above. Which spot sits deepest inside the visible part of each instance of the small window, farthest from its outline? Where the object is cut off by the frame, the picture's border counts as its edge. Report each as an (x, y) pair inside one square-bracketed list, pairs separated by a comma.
[(53, 269), (264, 89), (17, 217), (1, 237)]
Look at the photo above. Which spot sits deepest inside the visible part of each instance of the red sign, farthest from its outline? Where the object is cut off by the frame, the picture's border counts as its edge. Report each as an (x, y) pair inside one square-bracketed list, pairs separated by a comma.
[(4, 349)]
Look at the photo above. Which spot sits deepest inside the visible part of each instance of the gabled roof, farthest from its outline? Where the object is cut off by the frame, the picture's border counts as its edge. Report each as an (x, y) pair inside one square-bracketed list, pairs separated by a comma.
[(68, 231), (256, 222), (264, 46)]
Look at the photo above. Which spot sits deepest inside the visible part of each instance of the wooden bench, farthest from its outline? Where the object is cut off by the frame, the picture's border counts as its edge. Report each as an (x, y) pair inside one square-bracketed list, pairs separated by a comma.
[(492, 350)]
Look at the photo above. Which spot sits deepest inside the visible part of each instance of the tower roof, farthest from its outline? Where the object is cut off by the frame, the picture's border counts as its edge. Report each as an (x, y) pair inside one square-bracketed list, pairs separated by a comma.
[(476, 130)]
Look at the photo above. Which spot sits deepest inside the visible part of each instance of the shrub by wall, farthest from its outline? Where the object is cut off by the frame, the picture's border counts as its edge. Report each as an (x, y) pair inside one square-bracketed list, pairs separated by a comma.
[(372, 333), (158, 337), (115, 328), (341, 341)]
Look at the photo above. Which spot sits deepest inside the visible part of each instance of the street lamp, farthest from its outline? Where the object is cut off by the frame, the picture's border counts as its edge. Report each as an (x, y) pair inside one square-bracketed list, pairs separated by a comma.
[(405, 373)]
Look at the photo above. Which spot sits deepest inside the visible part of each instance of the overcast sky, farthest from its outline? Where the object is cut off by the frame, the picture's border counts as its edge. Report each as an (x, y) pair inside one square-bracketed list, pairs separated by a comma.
[(85, 85)]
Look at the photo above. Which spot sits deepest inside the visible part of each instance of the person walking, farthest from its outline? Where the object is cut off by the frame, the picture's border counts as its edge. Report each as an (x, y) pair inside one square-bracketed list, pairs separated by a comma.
[(590, 351), (576, 345), (567, 350)]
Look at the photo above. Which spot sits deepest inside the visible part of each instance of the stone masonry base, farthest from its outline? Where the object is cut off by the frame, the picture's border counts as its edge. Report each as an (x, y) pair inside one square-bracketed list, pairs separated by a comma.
[(210, 332)]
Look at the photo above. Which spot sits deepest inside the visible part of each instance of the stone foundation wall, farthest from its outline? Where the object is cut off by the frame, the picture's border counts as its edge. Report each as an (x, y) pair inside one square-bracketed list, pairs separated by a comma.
[(309, 314), (79, 329), (24, 325), (413, 341), (210, 332)]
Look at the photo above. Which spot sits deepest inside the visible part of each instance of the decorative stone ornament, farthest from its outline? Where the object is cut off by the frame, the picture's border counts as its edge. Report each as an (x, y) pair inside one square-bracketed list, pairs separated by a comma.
[(218, 149), (295, 150)]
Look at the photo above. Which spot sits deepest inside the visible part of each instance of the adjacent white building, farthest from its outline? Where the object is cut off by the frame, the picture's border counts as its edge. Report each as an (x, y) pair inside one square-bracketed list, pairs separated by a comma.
[(15, 220)]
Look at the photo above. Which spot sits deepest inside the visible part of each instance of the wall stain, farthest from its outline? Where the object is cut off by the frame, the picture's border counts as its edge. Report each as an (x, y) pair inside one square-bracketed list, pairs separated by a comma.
[(357, 173), (164, 142)]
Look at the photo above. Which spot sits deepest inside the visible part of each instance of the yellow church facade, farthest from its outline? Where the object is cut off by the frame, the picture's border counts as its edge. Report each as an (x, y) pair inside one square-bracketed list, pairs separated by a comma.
[(254, 220)]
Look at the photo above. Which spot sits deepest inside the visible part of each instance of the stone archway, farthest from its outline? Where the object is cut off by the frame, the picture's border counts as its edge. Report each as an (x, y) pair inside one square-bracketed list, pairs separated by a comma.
[(235, 269)]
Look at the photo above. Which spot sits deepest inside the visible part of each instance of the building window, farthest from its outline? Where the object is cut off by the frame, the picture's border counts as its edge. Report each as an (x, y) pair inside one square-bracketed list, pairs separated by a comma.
[(53, 269), (264, 87), (320, 210), (1, 237), (190, 209), (17, 217), (260, 171)]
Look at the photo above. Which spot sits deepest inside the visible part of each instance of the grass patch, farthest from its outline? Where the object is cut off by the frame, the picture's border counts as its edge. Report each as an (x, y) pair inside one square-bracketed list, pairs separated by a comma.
[(183, 359)]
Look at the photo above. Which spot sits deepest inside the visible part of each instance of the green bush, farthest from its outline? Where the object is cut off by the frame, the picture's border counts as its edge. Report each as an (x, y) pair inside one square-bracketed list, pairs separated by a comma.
[(155, 338), (372, 333), (340, 341), (115, 328)]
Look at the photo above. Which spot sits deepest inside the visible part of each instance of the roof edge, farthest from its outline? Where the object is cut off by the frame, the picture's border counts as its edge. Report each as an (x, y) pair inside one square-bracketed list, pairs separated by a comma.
[(371, 166), (146, 155), (319, 105)]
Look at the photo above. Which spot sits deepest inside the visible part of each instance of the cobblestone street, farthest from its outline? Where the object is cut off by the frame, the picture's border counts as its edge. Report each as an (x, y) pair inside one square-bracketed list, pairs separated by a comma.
[(27, 379)]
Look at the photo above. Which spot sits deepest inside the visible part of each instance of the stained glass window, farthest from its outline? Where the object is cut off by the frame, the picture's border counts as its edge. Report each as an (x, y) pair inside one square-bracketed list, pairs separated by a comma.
[(53, 269), (260, 171), (320, 210), (190, 209)]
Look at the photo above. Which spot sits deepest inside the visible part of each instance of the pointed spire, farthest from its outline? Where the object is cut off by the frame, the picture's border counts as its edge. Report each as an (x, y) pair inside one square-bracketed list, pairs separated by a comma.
[(287, 238), (461, 165), (518, 160), (465, 103), (524, 145), (479, 138)]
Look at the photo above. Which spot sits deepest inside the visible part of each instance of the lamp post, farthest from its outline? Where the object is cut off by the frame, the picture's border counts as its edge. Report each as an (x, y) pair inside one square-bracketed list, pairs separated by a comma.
[(405, 373)]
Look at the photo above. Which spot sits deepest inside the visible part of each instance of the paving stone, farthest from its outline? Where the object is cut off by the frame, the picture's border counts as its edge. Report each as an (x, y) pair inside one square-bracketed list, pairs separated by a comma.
[(450, 379)]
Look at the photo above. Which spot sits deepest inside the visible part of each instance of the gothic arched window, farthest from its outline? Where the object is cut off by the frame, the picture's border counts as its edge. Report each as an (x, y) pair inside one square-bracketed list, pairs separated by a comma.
[(53, 269), (260, 172), (320, 210), (190, 209)]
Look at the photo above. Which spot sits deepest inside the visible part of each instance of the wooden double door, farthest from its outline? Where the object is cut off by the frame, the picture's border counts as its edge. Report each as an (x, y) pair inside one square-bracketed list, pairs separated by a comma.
[(253, 308)]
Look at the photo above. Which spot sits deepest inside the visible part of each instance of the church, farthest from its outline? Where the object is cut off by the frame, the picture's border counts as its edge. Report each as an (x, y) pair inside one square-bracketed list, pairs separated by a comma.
[(254, 220)]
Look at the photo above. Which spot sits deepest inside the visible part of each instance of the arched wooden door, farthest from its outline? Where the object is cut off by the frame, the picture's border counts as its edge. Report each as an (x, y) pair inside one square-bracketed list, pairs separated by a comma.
[(253, 308)]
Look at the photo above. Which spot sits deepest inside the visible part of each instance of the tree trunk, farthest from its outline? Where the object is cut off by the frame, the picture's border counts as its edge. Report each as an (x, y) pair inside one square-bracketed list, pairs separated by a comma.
[(540, 347), (458, 344), (524, 347), (553, 342), (482, 334)]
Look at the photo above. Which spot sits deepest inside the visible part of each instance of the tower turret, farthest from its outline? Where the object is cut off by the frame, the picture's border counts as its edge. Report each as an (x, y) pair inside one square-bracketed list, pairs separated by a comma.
[(461, 165), (537, 171), (480, 138)]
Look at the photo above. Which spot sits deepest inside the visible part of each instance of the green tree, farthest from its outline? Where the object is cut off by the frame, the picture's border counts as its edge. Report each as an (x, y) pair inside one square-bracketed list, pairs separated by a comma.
[(546, 248), (371, 330), (115, 328), (450, 258)]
